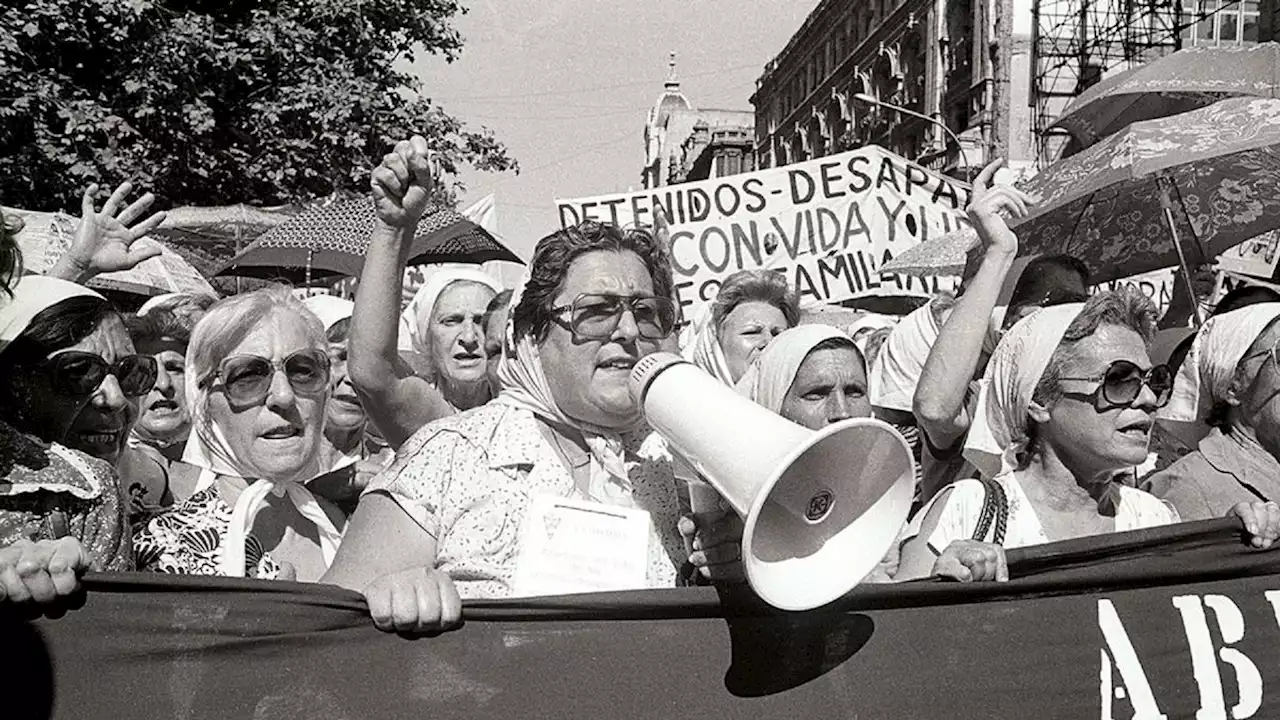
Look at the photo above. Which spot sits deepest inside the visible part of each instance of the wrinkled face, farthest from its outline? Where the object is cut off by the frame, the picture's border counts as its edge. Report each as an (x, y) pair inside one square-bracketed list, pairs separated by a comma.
[(746, 330), (278, 436), (830, 386), (165, 415), (456, 332), (1257, 390), (589, 378), (344, 411), (99, 424), (494, 331), (1089, 433)]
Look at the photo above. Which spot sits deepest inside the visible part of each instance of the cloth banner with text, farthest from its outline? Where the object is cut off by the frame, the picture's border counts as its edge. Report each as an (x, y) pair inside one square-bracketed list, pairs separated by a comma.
[(827, 224), (1175, 622)]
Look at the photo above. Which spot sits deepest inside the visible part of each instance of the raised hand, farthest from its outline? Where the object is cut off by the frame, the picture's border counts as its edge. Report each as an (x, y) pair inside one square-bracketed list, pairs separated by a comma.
[(110, 240), (402, 185), (990, 203)]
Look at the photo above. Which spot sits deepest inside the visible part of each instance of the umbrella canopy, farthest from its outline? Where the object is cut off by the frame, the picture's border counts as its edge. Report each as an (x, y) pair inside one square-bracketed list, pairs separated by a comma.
[(45, 237), (331, 241), (1183, 81), (1218, 167)]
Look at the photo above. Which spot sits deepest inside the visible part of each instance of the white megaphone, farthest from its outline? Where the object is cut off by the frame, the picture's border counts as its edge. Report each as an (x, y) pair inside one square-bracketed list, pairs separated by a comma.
[(821, 508)]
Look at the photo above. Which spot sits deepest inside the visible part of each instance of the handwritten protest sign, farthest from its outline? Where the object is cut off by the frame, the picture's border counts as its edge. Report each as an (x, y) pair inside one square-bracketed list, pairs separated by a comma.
[(827, 224)]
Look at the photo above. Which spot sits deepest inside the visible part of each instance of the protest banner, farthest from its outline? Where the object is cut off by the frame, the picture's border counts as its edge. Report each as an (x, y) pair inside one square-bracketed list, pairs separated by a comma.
[(1157, 285), (1173, 622), (827, 224), (1256, 257)]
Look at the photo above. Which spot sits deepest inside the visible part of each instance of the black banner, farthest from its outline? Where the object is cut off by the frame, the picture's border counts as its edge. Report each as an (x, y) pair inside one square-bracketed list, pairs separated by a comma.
[(1174, 622)]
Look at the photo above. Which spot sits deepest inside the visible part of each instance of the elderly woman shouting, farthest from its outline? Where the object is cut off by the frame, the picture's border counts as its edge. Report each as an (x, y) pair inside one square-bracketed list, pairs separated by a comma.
[(258, 379), (751, 308), (1065, 407), (443, 325), (1227, 389), (474, 503)]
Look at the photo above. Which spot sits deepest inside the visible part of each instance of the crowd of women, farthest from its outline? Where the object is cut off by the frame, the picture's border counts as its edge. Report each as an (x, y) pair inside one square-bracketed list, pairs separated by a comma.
[(397, 452)]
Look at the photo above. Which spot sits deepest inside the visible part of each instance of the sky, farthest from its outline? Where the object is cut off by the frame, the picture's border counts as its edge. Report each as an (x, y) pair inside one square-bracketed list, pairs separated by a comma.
[(566, 84)]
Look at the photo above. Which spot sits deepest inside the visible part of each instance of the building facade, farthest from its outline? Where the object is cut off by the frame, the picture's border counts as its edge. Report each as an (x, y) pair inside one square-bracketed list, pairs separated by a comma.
[(820, 94), (989, 74), (684, 143)]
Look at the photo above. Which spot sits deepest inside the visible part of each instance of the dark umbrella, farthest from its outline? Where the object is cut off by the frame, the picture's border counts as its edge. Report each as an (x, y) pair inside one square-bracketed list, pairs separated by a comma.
[(1181, 82), (331, 241)]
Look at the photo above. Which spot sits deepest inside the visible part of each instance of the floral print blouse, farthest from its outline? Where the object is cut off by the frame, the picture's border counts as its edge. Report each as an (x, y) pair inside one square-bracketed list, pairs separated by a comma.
[(50, 491), (188, 540)]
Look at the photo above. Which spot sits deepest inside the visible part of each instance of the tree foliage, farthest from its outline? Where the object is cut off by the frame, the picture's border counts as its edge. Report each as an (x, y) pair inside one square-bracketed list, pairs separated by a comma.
[(210, 102)]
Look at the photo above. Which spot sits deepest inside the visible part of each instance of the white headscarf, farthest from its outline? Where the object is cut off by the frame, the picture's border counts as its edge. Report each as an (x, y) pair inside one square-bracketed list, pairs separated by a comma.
[(208, 450), (330, 309), (703, 347), (423, 304), (525, 386), (1206, 373), (769, 379), (998, 432), (33, 294)]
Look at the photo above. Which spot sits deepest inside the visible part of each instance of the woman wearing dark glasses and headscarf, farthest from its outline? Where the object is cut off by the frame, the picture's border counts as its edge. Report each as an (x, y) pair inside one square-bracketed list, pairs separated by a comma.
[(474, 503), (257, 377), (70, 383), (1226, 398), (1065, 408)]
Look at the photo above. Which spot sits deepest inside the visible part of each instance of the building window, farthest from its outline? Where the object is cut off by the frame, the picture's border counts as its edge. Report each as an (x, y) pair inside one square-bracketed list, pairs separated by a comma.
[(1221, 22)]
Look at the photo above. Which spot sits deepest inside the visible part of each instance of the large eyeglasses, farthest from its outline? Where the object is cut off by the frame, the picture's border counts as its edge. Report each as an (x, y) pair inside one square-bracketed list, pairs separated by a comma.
[(595, 316), (1121, 383), (246, 379), (80, 373)]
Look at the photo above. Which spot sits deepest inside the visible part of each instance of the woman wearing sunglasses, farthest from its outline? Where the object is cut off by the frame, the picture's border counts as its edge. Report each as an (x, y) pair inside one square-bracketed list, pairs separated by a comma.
[(1226, 397), (445, 521), (1065, 408), (70, 383), (258, 380)]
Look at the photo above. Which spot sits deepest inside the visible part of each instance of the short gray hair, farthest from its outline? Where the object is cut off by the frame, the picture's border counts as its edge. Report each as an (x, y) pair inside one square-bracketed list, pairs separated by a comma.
[(764, 286), (1126, 308), (230, 321)]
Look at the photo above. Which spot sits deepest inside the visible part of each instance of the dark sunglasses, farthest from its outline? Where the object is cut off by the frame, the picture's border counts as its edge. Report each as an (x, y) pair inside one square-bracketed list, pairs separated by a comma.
[(595, 316), (81, 373), (246, 379), (1121, 383)]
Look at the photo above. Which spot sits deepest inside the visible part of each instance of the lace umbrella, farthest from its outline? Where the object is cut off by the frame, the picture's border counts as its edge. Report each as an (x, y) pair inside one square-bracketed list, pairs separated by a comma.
[(45, 237), (1175, 191), (331, 241), (1180, 82)]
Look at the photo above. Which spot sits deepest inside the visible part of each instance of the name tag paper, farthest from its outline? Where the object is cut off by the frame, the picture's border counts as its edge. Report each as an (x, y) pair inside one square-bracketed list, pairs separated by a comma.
[(572, 546)]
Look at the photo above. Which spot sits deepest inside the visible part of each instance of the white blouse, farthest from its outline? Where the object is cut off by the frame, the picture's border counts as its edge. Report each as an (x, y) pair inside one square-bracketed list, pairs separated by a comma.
[(959, 519)]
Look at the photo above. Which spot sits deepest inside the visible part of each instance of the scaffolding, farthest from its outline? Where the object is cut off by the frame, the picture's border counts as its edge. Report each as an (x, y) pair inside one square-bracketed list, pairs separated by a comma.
[(1076, 42)]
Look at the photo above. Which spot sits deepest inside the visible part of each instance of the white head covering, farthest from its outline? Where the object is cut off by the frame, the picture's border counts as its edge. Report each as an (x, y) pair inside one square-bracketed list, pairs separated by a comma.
[(900, 362), (703, 347), (1206, 373), (330, 309), (207, 449), (525, 386), (423, 303), (33, 294), (769, 379), (998, 432)]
